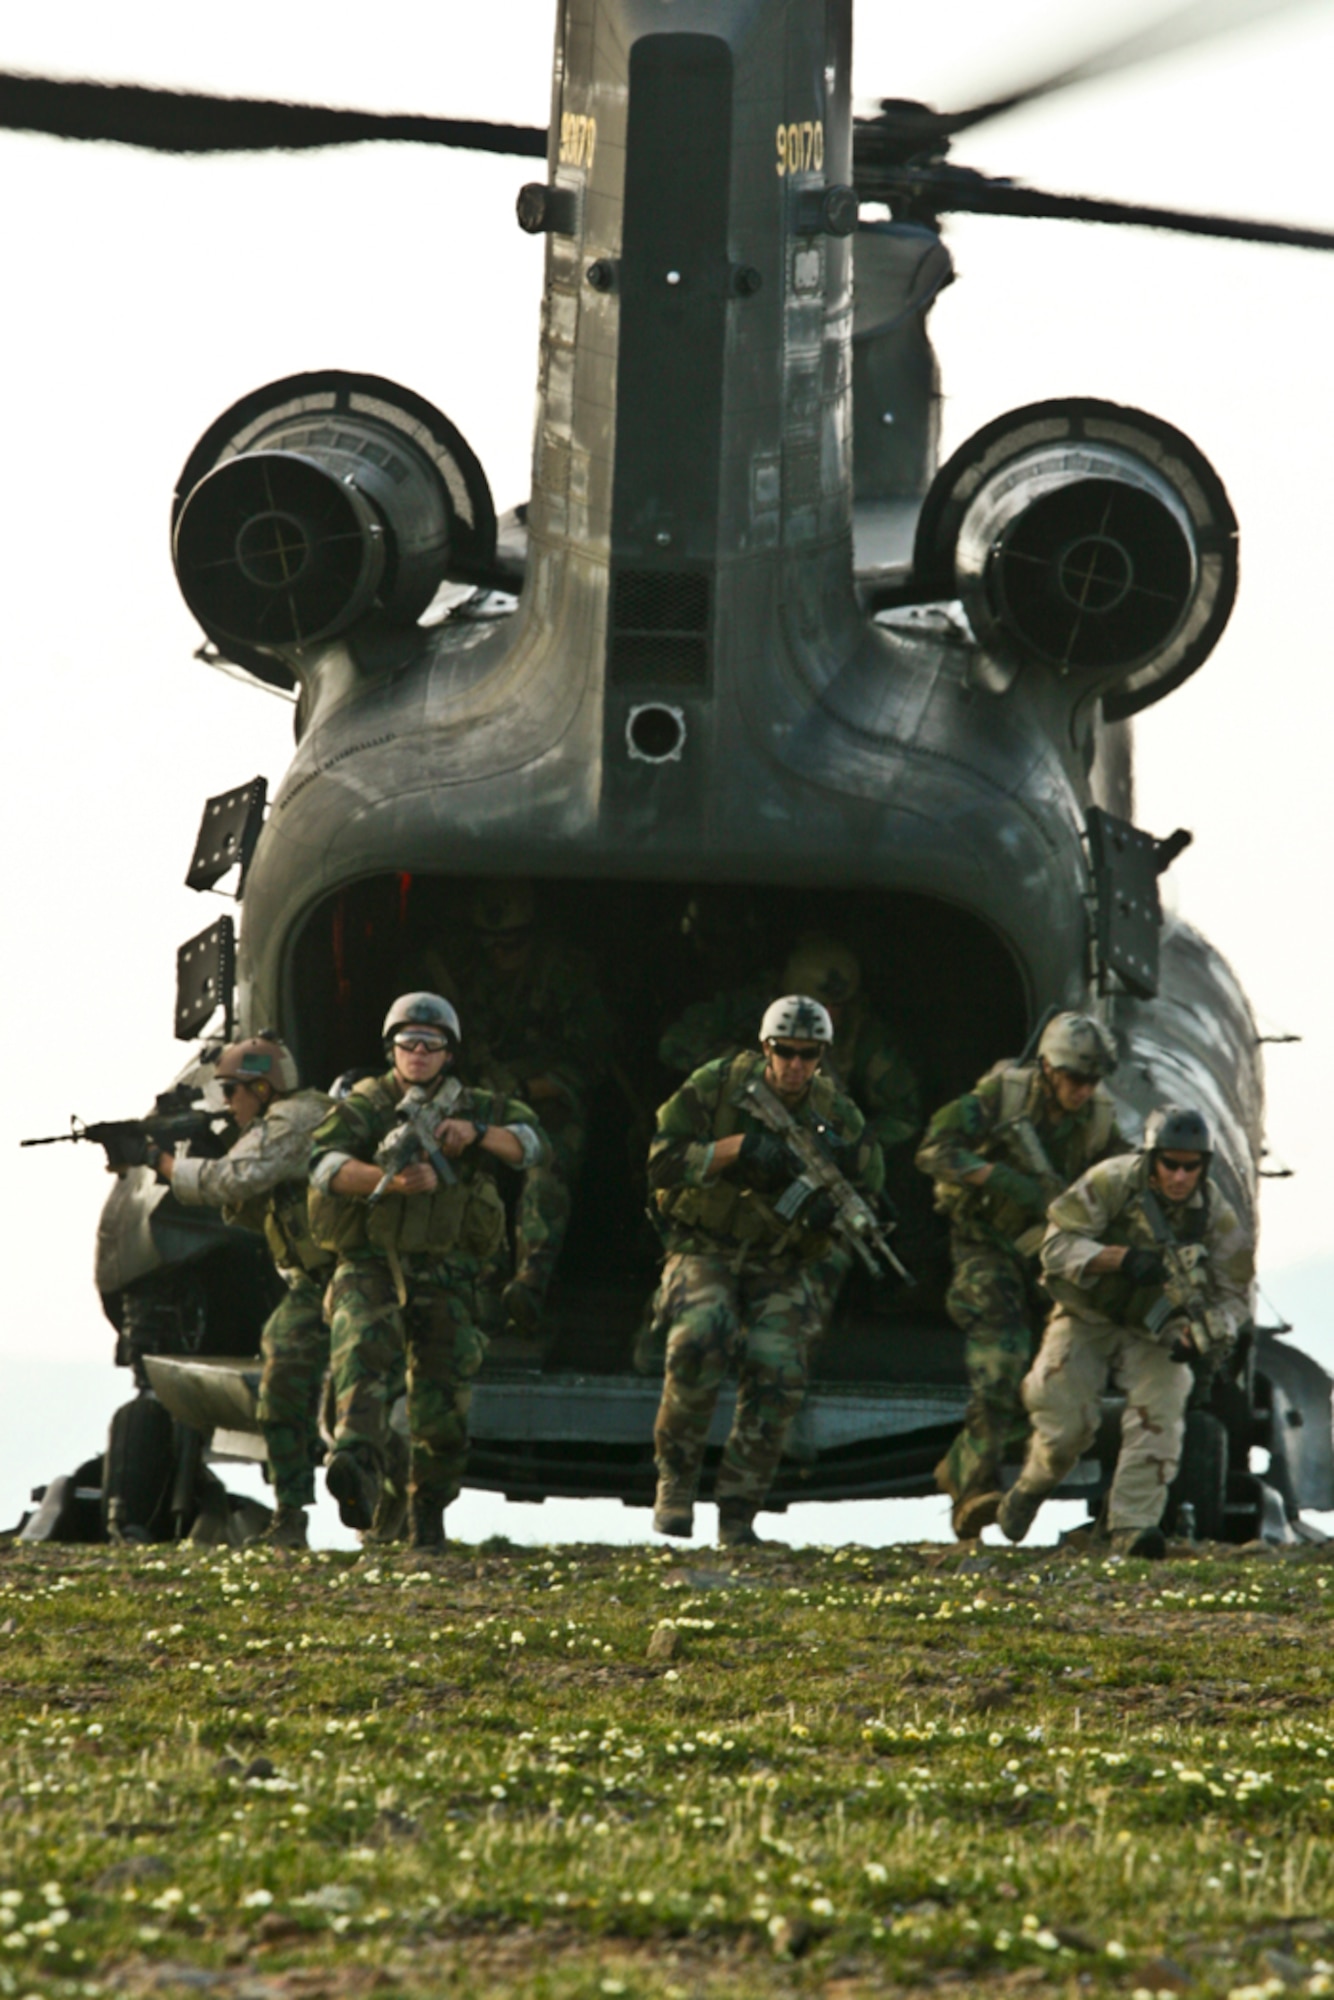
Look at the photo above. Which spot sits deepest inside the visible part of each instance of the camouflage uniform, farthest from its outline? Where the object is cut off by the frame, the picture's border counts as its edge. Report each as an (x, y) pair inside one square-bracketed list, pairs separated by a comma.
[(261, 1184), (864, 1061), (994, 1238), (1099, 1324), (547, 1020), (406, 1279), (739, 1283)]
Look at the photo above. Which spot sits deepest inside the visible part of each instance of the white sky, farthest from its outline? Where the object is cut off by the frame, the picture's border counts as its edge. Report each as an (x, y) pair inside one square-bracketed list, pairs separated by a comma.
[(143, 295)]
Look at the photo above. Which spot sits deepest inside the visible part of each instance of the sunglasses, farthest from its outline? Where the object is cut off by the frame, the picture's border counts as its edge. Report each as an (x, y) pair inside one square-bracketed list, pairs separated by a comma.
[(412, 1038), (1175, 1166), (790, 1052), (230, 1087)]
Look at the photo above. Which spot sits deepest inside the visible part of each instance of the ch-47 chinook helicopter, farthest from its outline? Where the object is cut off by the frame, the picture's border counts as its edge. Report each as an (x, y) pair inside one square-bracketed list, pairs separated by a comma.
[(745, 660)]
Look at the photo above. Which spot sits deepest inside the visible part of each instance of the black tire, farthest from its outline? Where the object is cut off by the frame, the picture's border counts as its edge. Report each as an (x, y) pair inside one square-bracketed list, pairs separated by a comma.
[(1202, 1479), (139, 1469)]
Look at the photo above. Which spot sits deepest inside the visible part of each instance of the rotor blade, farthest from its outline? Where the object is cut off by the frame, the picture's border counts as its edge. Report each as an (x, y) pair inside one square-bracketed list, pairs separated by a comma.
[(1195, 21), (174, 121), (959, 192)]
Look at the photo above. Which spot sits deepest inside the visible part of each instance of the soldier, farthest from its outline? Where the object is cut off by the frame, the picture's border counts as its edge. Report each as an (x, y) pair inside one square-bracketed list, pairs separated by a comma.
[(261, 1182), (739, 1279), (1150, 1269), (408, 1264), (998, 1155), (538, 1026), (864, 1058)]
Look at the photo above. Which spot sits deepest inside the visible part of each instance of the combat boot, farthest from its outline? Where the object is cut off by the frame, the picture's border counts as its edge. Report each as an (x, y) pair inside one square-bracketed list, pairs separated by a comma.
[(353, 1477), (1148, 1544), (736, 1526), (391, 1518), (1017, 1512), (287, 1530), (426, 1527), (674, 1505), (969, 1517)]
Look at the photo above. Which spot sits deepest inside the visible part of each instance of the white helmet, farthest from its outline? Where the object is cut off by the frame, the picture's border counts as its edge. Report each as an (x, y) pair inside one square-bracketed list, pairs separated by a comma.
[(796, 1017)]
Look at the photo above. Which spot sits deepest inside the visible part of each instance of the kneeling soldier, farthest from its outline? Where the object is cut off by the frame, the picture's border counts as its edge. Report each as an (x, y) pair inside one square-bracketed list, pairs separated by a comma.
[(262, 1183), (741, 1275), (998, 1155), (411, 1234), (1149, 1268)]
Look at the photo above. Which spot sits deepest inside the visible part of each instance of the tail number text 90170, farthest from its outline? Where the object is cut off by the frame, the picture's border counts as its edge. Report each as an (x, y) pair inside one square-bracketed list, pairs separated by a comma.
[(800, 147)]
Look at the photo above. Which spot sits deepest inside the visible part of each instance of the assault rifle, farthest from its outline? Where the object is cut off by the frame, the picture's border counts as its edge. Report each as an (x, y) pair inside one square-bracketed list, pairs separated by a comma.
[(176, 1117), (413, 1137), (1184, 1289), (855, 1221)]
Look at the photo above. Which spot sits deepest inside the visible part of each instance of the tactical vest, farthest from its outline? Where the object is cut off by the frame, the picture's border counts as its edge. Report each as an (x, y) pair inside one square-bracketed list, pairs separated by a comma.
[(1113, 1296), (467, 1219), (282, 1218), (1013, 1139), (742, 1215)]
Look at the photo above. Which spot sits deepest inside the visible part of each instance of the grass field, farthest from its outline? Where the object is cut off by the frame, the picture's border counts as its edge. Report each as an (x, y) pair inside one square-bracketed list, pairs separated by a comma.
[(611, 1772)]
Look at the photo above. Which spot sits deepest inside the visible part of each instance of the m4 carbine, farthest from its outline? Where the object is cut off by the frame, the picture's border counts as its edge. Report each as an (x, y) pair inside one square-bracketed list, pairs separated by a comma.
[(414, 1137), (855, 1221), (177, 1116)]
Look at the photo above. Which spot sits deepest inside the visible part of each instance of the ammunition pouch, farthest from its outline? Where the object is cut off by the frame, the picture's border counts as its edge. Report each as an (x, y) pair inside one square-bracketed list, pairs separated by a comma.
[(742, 1216), (467, 1218), (282, 1219)]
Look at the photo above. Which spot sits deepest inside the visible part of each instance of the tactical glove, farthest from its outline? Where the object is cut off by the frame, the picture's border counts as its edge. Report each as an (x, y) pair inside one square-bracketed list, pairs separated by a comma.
[(133, 1147), (1144, 1267), (819, 1212), (763, 1158), (1024, 1190)]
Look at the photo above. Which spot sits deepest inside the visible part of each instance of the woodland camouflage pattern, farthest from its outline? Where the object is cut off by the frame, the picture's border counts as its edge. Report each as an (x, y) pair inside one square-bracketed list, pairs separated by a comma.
[(261, 1183), (1098, 1324), (864, 1061), (739, 1283), (993, 1297), (436, 1330), (549, 1020)]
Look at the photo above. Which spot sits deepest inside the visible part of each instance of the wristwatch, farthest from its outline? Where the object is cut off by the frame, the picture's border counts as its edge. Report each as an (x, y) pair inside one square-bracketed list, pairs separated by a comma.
[(481, 1126)]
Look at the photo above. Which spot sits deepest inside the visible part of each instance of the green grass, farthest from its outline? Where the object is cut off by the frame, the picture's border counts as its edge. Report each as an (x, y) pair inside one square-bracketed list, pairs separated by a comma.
[(833, 1773)]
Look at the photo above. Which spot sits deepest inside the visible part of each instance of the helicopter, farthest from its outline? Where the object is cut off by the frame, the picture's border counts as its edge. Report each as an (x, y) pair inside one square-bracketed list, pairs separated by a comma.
[(828, 690)]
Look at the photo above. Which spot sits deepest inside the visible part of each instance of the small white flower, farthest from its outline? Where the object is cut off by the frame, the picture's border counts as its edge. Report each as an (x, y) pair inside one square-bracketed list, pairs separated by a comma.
[(258, 1899)]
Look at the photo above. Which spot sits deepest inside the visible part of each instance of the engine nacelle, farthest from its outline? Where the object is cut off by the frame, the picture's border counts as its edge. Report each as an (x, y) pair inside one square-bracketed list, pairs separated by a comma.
[(1088, 539), (322, 498)]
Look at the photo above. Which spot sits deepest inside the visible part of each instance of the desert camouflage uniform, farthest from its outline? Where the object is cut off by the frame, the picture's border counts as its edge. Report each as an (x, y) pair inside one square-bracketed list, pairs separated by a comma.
[(547, 1020), (406, 1280), (994, 1239), (739, 1283), (1099, 1324), (261, 1184)]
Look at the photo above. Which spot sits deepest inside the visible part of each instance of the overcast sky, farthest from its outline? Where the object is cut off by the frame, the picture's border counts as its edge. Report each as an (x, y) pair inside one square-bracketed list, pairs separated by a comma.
[(143, 295)]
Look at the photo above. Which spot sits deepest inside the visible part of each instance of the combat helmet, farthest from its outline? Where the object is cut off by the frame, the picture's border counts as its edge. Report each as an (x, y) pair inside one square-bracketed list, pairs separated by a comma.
[(501, 907), (261, 1058), (1079, 1044), (422, 1010), (796, 1017), (1174, 1128), (824, 968)]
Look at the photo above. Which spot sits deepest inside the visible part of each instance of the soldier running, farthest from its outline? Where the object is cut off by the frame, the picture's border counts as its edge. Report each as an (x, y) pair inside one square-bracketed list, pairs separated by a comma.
[(261, 1183), (411, 1243), (998, 1155), (1150, 1269), (740, 1279)]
